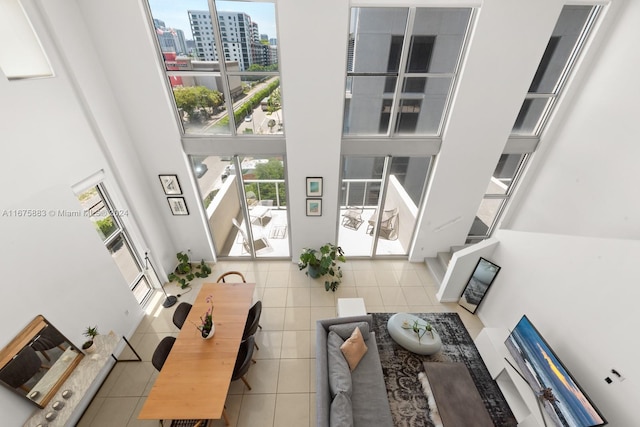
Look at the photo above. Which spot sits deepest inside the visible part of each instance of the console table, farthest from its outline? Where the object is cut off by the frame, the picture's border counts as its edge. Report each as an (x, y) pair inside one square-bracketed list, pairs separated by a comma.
[(519, 396), (79, 383)]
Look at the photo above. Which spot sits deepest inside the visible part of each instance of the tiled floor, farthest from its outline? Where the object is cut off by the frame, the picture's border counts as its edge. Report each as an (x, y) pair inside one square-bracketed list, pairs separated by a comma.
[(283, 379)]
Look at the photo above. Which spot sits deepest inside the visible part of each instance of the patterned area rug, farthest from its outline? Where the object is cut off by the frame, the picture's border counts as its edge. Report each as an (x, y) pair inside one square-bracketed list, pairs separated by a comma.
[(401, 368)]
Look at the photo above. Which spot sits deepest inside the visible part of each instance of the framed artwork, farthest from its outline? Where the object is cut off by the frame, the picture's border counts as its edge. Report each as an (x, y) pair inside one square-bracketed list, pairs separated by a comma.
[(170, 184), (482, 277), (178, 205), (314, 207), (314, 186)]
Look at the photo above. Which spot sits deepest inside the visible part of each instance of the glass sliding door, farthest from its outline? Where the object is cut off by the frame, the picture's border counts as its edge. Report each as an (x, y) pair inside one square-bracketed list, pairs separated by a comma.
[(247, 210), (380, 197)]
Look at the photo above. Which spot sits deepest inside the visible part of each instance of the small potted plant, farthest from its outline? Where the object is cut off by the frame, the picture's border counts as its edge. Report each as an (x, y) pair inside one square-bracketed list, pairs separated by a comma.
[(185, 272), (90, 333), (206, 327), (323, 263)]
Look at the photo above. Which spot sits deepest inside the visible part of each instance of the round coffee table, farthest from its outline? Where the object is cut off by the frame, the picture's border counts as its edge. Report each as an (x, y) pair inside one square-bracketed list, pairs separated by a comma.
[(408, 339)]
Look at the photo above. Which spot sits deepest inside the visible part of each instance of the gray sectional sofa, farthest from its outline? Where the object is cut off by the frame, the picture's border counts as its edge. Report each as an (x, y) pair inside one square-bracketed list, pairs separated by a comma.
[(345, 398)]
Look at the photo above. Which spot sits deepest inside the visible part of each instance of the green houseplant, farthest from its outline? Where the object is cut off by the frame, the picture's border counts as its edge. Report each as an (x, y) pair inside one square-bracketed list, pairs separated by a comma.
[(90, 333), (323, 263), (185, 272)]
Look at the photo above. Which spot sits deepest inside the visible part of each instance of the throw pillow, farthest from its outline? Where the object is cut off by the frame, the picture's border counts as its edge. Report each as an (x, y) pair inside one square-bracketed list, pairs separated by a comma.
[(344, 330), (339, 372), (354, 349), (341, 413)]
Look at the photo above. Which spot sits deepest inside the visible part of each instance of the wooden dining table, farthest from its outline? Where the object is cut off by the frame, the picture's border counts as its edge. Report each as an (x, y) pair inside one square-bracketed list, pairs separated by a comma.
[(195, 378)]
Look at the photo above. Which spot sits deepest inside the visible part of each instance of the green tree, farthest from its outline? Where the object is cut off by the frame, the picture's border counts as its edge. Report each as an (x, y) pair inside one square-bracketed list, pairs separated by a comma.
[(273, 169), (197, 99)]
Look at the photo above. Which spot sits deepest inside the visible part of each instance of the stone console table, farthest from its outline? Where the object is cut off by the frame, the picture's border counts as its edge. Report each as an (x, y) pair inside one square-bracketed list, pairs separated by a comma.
[(79, 383)]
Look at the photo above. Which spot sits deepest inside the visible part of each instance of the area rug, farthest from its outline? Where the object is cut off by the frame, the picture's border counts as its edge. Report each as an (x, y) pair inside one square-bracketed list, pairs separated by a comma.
[(408, 403)]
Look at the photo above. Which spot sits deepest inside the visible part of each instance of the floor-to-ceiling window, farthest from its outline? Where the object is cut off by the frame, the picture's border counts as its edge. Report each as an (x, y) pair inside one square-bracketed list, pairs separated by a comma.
[(563, 49), (402, 66), (221, 63), (245, 204), (107, 219), (380, 199)]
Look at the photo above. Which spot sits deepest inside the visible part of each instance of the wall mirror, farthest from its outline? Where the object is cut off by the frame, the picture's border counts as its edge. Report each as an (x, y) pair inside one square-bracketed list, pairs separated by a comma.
[(482, 277), (38, 361)]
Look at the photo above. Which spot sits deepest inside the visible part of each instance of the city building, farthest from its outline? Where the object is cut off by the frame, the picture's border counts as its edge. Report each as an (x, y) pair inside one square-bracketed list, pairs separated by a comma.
[(568, 243)]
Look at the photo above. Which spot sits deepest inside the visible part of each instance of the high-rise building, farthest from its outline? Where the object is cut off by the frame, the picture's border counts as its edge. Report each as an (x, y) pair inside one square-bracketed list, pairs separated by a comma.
[(170, 39), (239, 37)]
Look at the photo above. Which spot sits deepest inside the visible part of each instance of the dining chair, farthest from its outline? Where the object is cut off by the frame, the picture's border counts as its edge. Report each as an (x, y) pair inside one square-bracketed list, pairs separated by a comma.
[(48, 339), (253, 322), (162, 352), (181, 313), (244, 361), (24, 366), (229, 273)]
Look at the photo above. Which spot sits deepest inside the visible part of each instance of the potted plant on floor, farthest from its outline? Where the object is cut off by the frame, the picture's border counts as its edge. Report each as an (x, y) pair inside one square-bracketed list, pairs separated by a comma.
[(91, 332), (185, 272), (323, 263)]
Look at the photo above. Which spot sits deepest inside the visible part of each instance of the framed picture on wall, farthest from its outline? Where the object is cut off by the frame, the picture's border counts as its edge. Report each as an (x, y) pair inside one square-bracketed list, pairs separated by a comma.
[(314, 207), (482, 277), (170, 184), (314, 186), (178, 205)]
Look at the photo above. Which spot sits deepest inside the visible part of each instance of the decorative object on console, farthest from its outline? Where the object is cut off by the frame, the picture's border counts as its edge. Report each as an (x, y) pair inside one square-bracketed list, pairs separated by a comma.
[(91, 332), (478, 284), (559, 394), (401, 368), (323, 263)]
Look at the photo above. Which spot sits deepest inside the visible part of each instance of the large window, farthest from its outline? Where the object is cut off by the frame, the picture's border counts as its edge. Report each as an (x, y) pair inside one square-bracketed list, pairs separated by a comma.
[(401, 67), (564, 47), (221, 59), (109, 226)]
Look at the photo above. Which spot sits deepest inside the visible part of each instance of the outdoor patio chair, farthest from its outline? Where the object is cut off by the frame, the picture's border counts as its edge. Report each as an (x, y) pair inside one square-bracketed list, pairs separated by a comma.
[(388, 224), (259, 243), (352, 218)]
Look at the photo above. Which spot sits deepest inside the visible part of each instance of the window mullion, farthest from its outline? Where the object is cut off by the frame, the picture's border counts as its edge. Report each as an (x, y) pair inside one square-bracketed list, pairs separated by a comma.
[(404, 58)]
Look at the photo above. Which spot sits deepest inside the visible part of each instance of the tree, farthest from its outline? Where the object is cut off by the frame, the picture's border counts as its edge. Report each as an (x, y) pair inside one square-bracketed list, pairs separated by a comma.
[(198, 99), (273, 169), (274, 104)]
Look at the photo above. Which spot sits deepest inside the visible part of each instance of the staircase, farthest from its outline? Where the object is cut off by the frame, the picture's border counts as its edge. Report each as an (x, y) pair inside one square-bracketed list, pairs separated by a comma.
[(438, 265)]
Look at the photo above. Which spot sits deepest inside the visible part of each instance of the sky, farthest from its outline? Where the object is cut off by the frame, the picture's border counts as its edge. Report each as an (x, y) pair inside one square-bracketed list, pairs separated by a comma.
[(174, 13)]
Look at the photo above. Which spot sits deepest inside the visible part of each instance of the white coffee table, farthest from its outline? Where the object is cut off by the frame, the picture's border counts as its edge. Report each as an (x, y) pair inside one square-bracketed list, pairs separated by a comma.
[(408, 339), (351, 307)]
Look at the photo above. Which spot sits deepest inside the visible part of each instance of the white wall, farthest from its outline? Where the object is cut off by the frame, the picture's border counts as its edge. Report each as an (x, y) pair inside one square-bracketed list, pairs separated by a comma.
[(581, 294)]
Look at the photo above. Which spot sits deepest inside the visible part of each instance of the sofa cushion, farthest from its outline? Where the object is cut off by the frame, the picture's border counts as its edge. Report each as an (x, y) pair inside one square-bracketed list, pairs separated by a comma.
[(345, 330), (341, 414), (354, 348), (339, 372)]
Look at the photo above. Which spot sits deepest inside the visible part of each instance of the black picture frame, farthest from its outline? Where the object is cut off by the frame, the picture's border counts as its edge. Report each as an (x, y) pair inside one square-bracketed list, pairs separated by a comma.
[(178, 206), (170, 185), (481, 278), (314, 186), (314, 207)]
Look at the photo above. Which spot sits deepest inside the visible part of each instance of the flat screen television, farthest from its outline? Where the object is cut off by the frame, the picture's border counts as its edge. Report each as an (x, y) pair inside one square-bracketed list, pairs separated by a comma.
[(560, 396)]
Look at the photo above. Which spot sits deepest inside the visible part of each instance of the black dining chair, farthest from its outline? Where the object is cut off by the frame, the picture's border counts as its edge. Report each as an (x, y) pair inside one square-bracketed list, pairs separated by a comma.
[(244, 361), (253, 322), (162, 352), (21, 369), (181, 313)]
